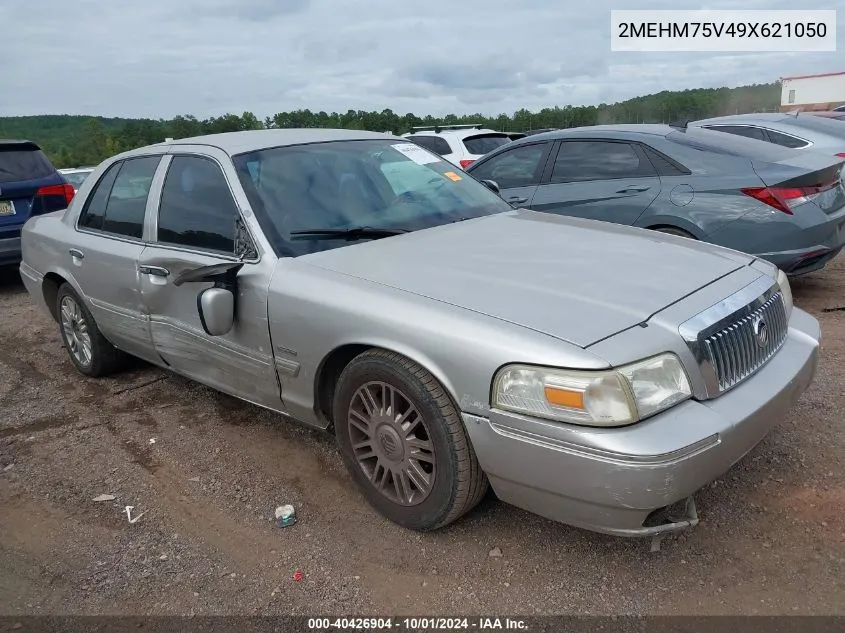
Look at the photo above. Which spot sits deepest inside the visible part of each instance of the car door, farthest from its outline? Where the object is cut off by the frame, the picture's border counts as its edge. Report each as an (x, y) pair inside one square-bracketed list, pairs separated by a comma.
[(195, 226), (516, 170), (611, 181), (107, 244)]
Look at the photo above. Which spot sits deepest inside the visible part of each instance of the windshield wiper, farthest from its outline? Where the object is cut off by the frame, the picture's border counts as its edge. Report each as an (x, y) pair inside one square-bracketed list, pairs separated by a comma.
[(355, 233)]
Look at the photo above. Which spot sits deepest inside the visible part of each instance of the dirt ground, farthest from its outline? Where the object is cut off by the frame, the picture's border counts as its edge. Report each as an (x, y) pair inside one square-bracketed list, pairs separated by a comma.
[(771, 538)]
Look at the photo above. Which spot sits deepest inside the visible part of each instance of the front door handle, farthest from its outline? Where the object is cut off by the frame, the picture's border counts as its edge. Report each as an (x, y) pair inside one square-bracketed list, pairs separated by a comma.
[(75, 252), (634, 189), (155, 271), (517, 200)]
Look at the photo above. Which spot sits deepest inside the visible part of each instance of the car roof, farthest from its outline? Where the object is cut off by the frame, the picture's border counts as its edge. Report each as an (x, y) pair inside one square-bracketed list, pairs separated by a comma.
[(759, 117), (462, 133), (251, 140), (622, 131), (18, 141)]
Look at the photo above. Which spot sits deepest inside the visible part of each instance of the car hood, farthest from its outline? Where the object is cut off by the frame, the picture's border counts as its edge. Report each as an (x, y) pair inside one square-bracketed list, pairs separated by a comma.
[(574, 279)]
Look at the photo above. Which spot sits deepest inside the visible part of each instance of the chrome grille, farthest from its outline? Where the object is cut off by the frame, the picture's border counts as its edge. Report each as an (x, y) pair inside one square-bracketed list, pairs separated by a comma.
[(740, 349)]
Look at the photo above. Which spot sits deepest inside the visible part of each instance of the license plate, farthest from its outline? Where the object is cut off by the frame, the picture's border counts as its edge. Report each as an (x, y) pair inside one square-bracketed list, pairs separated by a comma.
[(7, 207)]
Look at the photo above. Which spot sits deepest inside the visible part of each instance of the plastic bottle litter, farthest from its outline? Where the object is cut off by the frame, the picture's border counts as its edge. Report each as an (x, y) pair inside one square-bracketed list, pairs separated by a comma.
[(285, 516)]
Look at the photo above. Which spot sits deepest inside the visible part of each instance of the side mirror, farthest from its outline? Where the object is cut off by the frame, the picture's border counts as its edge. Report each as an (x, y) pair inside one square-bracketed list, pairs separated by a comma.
[(216, 307), (493, 186)]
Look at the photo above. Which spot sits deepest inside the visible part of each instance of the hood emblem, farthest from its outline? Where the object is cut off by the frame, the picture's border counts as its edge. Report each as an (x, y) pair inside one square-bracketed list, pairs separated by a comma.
[(761, 332)]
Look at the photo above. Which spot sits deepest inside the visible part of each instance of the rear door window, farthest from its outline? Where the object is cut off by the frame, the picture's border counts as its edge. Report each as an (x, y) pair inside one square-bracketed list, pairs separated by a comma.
[(127, 203), (23, 161), (118, 202), (579, 161), (484, 143), (94, 211)]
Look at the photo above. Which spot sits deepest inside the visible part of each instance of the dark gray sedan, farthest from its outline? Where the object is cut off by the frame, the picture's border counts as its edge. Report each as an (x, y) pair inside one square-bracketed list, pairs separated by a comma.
[(783, 206)]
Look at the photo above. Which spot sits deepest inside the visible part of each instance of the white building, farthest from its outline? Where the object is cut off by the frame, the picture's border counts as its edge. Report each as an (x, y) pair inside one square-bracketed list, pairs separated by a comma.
[(812, 92)]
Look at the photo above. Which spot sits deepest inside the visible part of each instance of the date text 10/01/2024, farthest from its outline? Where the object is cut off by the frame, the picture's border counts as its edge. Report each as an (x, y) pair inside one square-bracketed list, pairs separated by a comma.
[(416, 624)]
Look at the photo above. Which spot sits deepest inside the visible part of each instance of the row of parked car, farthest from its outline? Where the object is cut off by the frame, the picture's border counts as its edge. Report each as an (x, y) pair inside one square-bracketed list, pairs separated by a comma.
[(766, 184)]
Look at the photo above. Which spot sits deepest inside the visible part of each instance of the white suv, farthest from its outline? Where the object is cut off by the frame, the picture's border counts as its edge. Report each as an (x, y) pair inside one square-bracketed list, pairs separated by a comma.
[(461, 145)]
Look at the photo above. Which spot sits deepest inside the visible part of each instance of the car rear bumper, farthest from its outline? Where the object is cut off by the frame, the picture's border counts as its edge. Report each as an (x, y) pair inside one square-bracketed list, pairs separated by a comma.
[(802, 261), (10, 250), (605, 489)]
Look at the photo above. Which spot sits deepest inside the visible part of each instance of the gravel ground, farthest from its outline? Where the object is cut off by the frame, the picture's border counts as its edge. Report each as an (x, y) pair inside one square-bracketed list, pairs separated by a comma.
[(771, 538)]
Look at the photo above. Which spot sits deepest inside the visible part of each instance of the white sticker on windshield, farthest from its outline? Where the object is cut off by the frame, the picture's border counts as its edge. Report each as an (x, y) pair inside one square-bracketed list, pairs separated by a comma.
[(416, 153)]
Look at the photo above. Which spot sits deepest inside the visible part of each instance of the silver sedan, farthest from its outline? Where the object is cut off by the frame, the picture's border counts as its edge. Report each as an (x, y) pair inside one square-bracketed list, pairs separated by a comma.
[(592, 373), (801, 130)]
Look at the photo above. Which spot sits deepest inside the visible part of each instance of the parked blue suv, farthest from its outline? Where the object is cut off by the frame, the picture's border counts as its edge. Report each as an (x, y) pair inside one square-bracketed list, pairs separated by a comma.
[(29, 185)]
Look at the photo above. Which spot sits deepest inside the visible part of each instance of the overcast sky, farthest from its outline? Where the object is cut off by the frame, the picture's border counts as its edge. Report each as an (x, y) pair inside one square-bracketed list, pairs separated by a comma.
[(159, 58)]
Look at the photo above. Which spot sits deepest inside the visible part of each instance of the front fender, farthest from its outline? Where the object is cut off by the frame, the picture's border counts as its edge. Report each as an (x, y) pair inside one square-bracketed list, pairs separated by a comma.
[(313, 312)]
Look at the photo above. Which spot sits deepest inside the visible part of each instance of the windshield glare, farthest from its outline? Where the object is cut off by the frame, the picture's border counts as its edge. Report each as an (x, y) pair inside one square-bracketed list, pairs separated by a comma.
[(384, 184)]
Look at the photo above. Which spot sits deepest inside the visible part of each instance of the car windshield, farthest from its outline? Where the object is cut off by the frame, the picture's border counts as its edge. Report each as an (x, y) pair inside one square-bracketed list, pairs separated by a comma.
[(342, 185)]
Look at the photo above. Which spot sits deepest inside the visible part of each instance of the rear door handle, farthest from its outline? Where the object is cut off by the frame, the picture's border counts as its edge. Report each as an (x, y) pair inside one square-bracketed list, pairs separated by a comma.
[(75, 252), (517, 200), (155, 271), (634, 189)]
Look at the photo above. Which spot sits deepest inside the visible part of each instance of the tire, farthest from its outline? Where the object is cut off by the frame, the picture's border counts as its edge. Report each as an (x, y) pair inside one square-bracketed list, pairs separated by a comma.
[(400, 456), (75, 323), (671, 230)]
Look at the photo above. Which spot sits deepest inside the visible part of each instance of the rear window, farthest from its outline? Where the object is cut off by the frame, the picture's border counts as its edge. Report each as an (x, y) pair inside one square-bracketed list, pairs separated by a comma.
[(435, 144), (786, 140), (484, 143), (23, 161), (729, 144)]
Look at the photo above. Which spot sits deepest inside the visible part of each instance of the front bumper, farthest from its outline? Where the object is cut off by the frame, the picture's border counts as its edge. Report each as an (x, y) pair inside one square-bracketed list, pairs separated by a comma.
[(611, 480)]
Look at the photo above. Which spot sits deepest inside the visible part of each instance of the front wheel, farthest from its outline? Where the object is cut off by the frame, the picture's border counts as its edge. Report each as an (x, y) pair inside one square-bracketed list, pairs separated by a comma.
[(404, 443)]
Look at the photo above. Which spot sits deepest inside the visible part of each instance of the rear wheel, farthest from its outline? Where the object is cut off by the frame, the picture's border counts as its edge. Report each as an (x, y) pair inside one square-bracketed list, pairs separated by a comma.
[(671, 230), (404, 443), (88, 349)]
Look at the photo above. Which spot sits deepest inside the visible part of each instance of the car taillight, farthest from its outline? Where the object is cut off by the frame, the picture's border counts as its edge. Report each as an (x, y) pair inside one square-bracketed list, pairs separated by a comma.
[(841, 155), (467, 162), (787, 198), (65, 190)]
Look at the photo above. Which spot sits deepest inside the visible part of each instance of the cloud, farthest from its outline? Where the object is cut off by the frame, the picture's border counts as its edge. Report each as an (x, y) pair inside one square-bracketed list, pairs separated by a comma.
[(207, 57)]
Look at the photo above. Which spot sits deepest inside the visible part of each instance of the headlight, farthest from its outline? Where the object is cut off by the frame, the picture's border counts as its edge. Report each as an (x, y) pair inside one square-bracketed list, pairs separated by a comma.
[(786, 292), (593, 398)]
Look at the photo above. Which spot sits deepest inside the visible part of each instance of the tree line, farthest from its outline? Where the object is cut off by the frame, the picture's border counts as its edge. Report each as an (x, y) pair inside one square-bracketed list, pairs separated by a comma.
[(86, 140)]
